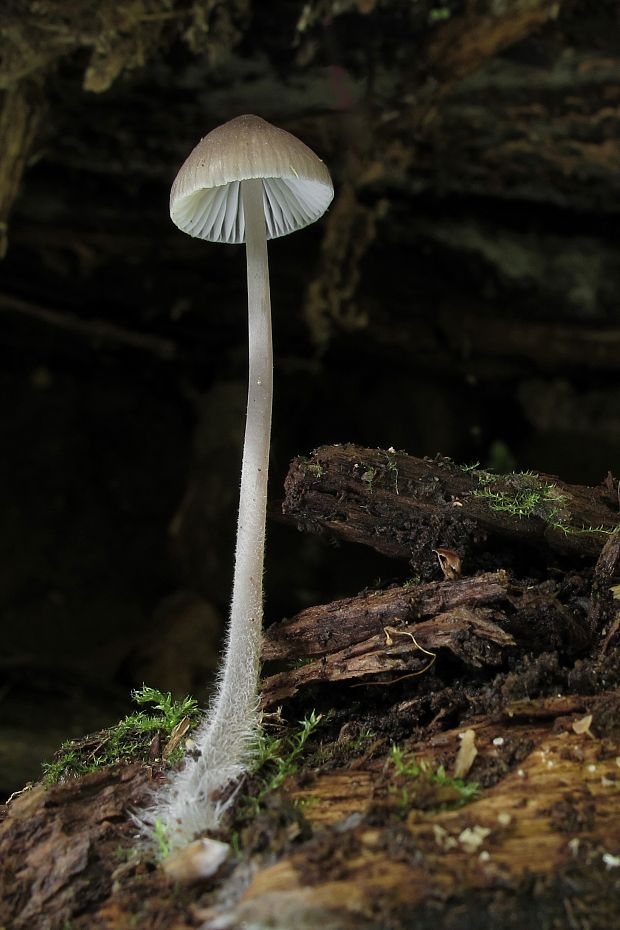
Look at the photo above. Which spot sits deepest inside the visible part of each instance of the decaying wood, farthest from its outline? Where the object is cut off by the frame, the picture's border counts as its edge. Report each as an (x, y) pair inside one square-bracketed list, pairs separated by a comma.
[(398, 504), (361, 836), (58, 845), (468, 633), (543, 840), (407, 507), (383, 636), (373, 847), (330, 627), (21, 107)]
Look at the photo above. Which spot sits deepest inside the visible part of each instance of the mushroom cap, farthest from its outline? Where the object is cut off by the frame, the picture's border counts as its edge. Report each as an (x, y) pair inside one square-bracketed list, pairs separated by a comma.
[(205, 200)]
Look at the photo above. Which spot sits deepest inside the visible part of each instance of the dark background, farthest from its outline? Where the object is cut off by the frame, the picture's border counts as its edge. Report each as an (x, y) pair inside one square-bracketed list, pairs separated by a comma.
[(461, 298)]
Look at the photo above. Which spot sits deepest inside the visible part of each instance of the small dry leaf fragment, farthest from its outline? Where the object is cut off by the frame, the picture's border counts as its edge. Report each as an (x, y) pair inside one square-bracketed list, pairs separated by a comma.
[(199, 859), (466, 754), (176, 736), (583, 725), (449, 562)]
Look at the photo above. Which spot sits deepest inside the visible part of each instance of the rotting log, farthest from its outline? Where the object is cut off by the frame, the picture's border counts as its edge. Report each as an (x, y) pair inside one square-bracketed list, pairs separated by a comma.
[(539, 845), (481, 790), (406, 507), (437, 514), (383, 637), (468, 633), (59, 846), (375, 846), (326, 628)]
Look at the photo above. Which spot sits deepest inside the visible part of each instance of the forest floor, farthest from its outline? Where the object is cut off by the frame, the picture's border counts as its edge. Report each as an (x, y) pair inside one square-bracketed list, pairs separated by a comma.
[(439, 753)]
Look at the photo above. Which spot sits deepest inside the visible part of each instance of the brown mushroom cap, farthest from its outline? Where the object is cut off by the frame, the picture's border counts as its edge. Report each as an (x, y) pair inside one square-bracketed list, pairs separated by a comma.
[(205, 199)]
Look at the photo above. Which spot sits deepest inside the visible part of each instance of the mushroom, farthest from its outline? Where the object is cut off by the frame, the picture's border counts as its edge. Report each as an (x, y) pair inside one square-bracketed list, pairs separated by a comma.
[(246, 181)]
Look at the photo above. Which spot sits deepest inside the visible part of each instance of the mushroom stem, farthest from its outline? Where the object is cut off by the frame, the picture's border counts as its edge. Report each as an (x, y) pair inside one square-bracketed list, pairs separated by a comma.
[(233, 720), (234, 717), (238, 694), (191, 803)]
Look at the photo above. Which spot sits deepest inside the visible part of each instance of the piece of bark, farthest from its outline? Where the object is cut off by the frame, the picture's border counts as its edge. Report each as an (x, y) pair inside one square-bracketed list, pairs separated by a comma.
[(406, 507), (468, 633), (604, 607), (58, 846), (326, 628), (382, 846), (541, 842), (381, 637)]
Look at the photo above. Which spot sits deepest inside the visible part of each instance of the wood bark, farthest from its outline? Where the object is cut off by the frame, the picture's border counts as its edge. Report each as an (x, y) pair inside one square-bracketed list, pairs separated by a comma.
[(466, 772), (535, 846), (385, 637), (406, 507)]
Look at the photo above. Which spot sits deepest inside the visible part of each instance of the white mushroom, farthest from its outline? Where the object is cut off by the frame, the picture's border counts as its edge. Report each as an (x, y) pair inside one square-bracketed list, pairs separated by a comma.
[(246, 181)]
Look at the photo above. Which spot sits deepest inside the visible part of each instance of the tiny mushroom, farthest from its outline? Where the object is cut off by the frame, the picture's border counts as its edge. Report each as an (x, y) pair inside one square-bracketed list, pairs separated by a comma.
[(246, 181)]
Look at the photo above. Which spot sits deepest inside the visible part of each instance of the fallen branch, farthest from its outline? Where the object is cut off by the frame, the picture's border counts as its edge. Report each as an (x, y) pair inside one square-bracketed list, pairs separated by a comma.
[(379, 636), (95, 332), (407, 507), (327, 628), (395, 654)]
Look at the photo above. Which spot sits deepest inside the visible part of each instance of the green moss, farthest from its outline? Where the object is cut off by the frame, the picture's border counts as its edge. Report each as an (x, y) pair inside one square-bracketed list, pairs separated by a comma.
[(368, 476), (585, 530), (360, 741), (160, 834), (472, 467), (130, 740), (308, 467), (526, 495), (522, 494), (278, 757), (417, 784), (412, 582)]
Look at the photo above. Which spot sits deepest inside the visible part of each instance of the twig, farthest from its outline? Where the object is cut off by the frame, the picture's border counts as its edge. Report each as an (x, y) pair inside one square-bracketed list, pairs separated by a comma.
[(96, 332)]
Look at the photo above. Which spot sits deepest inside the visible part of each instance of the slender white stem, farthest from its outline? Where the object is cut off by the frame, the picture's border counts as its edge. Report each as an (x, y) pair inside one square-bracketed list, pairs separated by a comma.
[(192, 802), (239, 684)]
